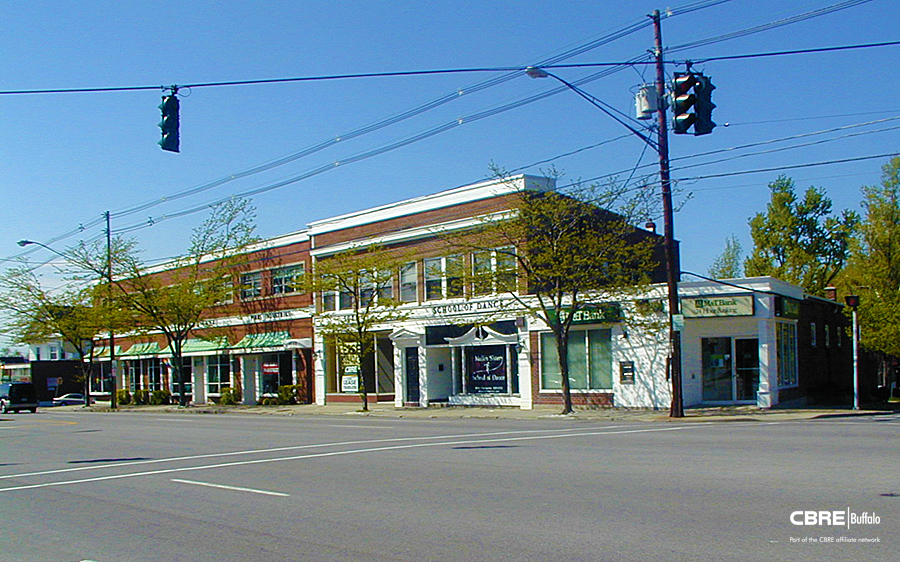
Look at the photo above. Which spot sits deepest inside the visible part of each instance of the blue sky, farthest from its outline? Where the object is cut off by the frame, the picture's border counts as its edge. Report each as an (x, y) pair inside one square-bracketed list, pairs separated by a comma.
[(67, 158)]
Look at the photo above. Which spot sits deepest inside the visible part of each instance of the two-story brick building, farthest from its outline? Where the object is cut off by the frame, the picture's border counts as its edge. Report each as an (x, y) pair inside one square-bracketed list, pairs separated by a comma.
[(748, 341)]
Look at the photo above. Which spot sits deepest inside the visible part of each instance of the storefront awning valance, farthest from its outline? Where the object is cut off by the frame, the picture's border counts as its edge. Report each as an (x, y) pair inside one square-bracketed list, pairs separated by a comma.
[(197, 345), (140, 349), (482, 335), (262, 341), (103, 352)]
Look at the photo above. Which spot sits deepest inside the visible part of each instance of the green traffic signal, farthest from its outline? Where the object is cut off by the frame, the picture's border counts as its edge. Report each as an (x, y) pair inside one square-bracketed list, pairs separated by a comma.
[(169, 123), (684, 100), (704, 106)]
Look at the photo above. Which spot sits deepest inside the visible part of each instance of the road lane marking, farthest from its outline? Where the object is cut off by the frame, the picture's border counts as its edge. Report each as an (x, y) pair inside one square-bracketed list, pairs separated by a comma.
[(45, 422), (233, 488), (290, 448), (341, 453)]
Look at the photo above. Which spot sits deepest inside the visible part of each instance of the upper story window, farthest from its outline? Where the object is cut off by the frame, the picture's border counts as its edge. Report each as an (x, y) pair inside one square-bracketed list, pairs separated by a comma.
[(329, 301), (443, 277), (409, 283), (251, 285), (54, 353), (493, 271), (286, 280)]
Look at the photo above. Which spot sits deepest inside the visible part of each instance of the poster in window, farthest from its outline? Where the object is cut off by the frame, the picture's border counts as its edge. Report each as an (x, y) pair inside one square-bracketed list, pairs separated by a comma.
[(487, 370)]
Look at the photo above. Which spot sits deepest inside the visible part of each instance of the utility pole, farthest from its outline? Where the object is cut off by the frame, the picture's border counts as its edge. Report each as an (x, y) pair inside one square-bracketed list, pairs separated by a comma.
[(672, 263), (112, 333)]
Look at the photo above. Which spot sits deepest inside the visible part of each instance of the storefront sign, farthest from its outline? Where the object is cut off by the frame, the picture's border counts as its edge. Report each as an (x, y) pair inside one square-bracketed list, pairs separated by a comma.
[(786, 307), (465, 307), (593, 314), (350, 379), (487, 370), (702, 307)]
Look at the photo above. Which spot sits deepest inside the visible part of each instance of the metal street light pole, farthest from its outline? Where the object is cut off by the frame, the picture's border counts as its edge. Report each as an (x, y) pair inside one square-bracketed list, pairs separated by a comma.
[(87, 381), (853, 302)]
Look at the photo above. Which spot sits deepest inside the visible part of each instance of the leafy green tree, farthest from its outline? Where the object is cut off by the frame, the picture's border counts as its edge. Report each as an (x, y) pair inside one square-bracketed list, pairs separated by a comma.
[(559, 254), (800, 240), (360, 283), (874, 269), (728, 264), (177, 301), (37, 314)]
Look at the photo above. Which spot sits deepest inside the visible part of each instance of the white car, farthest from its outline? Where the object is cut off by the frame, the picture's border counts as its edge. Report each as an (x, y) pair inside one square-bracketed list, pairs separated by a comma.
[(69, 399)]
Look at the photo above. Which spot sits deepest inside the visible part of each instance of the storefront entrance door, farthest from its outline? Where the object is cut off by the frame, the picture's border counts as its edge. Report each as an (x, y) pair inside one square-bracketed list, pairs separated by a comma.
[(412, 375), (730, 374), (746, 369)]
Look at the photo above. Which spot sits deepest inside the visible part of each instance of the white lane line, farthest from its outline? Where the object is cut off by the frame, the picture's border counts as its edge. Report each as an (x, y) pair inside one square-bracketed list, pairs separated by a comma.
[(341, 453), (233, 488), (363, 426), (290, 448)]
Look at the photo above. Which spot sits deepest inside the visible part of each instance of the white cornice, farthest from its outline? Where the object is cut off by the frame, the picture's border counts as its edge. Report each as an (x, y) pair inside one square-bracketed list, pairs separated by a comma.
[(456, 196)]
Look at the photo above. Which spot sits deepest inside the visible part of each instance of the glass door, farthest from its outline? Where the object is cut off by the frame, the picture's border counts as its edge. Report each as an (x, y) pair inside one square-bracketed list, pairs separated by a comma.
[(746, 369), (718, 384)]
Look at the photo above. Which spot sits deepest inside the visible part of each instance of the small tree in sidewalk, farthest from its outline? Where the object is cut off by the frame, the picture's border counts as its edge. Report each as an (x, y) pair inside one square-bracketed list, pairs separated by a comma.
[(559, 254), (355, 288), (177, 301)]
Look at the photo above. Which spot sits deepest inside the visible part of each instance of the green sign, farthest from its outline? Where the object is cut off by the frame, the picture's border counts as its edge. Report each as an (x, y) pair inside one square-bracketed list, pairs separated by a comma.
[(594, 314), (704, 307)]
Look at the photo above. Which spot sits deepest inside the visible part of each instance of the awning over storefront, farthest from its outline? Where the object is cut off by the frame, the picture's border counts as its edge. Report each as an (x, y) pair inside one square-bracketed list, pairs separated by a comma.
[(263, 341), (103, 352), (141, 349), (483, 335), (197, 345)]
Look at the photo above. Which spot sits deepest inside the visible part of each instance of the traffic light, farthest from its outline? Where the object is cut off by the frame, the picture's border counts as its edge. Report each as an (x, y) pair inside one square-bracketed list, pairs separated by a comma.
[(704, 106), (169, 123), (684, 100)]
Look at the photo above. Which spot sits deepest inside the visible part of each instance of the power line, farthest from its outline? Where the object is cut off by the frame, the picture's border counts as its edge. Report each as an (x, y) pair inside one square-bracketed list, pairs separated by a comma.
[(792, 167)]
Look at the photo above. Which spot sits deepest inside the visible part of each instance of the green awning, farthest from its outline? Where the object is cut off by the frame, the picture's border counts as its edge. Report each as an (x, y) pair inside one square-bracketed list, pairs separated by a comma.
[(263, 340), (138, 349), (103, 352), (197, 345)]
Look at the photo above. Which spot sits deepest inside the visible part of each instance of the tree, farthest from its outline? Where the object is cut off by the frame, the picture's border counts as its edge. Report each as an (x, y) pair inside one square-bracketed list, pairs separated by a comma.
[(559, 254), (177, 301), (800, 241), (37, 314), (360, 283), (874, 269), (728, 264)]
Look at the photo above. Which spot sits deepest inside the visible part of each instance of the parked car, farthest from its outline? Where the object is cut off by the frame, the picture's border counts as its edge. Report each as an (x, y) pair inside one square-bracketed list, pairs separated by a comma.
[(18, 396), (70, 399)]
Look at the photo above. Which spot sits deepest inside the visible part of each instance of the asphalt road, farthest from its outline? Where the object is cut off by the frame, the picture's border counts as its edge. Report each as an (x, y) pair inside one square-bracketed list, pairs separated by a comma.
[(114, 487)]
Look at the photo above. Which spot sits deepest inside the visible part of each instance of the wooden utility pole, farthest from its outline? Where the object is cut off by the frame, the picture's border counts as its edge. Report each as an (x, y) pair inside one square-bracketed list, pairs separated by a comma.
[(673, 272)]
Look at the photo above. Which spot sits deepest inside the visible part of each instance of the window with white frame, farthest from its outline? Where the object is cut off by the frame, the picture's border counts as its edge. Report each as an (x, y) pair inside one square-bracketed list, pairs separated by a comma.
[(286, 280), (251, 285), (493, 271), (187, 374), (590, 360), (54, 353), (786, 350), (409, 283), (329, 301), (218, 373), (443, 277)]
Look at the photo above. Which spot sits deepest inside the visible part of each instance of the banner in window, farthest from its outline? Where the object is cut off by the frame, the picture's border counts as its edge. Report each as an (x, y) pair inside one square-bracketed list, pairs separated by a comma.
[(487, 370)]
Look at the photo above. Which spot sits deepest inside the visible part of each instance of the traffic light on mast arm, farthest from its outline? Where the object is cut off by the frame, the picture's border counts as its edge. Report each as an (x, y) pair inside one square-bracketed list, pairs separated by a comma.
[(683, 100), (169, 123)]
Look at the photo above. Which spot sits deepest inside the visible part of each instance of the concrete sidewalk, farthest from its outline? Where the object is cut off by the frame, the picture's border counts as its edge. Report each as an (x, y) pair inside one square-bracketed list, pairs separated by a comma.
[(704, 414)]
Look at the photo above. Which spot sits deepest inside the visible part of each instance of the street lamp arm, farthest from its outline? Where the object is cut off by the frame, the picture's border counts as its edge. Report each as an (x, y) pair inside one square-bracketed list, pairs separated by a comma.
[(24, 243), (535, 72)]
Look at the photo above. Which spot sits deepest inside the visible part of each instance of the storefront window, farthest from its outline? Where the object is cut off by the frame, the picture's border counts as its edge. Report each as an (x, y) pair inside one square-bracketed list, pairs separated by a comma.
[(590, 360), (154, 374), (786, 344), (187, 372), (218, 373)]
